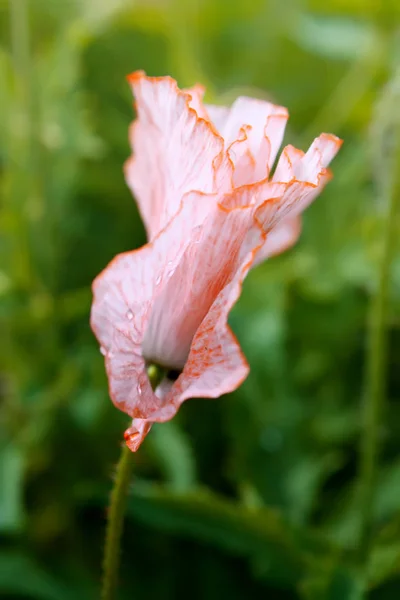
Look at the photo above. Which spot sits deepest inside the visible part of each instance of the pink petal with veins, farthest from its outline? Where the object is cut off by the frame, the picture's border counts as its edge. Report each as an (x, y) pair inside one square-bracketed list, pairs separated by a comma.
[(280, 238), (162, 170), (201, 176), (253, 132)]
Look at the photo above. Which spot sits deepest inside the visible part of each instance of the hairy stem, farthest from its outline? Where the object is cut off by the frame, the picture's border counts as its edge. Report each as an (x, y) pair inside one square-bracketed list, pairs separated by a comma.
[(115, 524), (116, 513)]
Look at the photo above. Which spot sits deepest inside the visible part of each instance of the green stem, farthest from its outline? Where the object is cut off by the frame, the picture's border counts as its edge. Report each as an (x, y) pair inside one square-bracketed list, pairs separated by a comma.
[(115, 524), (116, 513), (386, 170)]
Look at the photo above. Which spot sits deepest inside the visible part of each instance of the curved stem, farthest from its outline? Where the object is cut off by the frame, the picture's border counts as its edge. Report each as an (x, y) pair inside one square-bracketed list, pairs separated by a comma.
[(389, 192), (116, 513)]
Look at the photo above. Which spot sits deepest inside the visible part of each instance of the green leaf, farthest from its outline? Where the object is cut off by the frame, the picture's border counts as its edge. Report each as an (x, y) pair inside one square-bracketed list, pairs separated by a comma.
[(276, 549), (20, 575)]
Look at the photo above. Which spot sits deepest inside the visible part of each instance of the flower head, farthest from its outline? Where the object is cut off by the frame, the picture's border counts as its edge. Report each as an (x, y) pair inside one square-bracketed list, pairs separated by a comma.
[(202, 178)]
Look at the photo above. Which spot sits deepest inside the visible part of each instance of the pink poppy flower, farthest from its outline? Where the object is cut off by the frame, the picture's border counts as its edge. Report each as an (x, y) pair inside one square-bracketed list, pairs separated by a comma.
[(201, 176)]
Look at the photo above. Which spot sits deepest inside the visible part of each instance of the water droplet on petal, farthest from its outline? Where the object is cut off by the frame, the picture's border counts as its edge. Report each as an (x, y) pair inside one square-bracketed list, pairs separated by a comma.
[(197, 234), (139, 389), (129, 315), (103, 351), (158, 280), (170, 268)]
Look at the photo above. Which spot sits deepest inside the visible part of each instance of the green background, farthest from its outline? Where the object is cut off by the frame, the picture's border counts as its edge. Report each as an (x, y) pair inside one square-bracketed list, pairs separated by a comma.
[(257, 494)]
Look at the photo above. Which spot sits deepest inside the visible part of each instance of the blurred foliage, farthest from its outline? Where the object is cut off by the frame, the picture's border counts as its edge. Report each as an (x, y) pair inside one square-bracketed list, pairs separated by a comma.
[(253, 495)]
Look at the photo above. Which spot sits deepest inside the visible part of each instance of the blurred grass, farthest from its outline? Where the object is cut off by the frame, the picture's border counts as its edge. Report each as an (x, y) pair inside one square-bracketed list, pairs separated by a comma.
[(278, 459)]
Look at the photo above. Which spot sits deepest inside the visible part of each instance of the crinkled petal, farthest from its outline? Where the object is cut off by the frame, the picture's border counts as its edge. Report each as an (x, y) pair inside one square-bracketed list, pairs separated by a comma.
[(280, 238), (292, 195), (309, 167), (253, 194), (302, 175), (327, 145), (200, 176), (215, 364), (136, 433), (295, 198), (196, 94), (253, 133), (116, 301), (284, 171), (175, 151), (321, 152), (124, 296), (311, 173), (218, 116), (207, 266)]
